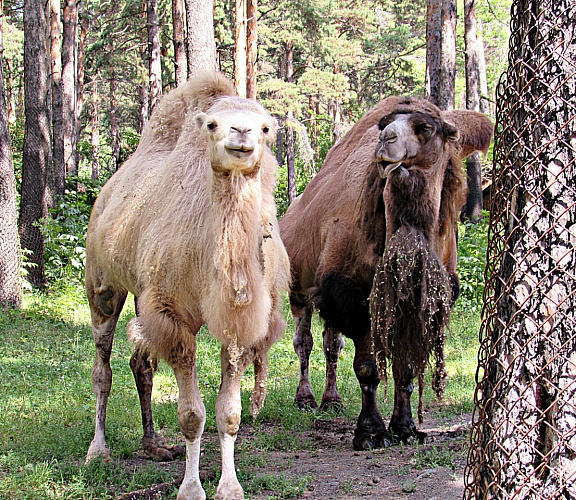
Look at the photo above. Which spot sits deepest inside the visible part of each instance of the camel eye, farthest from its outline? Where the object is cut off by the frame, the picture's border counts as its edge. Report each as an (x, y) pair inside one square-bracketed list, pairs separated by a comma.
[(265, 129), (210, 125)]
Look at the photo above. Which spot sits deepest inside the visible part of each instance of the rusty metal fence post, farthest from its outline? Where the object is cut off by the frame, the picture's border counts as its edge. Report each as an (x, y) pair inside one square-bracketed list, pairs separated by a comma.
[(523, 440)]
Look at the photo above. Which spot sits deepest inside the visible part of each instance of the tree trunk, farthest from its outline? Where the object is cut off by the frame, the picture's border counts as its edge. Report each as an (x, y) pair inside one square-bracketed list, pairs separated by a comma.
[(144, 107), (179, 30), (200, 44), (84, 21), (433, 48), (525, 435), (95, 134), (473, 208), (10, 257), (36, 153), (252, 47), (289, 127), (155, 66), (10, 100), (57, 174), (448, 56), (69, 82), (240, 57), (484, 98), (114, 133)]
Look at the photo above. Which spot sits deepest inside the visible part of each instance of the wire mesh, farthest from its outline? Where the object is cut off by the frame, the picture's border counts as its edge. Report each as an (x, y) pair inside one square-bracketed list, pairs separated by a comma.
[(523, 440)]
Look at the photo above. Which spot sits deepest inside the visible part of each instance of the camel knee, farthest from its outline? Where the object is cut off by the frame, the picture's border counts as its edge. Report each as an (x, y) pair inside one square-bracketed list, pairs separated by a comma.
[(191, 421), (367, 373), (229, 421)]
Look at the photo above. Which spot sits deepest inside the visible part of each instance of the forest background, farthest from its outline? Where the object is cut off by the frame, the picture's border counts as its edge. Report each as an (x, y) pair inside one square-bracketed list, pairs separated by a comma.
[(319, 66)]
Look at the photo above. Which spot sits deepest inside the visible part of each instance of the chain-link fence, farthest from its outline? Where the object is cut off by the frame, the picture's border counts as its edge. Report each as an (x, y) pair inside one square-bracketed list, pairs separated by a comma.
[(523, 441)]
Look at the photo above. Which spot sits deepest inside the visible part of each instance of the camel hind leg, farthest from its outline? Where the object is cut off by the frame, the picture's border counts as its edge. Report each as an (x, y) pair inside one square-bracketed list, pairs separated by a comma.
[(333, 343), (143, 370), (303, 341), (105, 307)]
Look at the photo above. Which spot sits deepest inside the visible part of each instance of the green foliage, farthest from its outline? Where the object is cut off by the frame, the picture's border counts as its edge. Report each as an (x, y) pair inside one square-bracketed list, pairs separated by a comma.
[(65, 233), (472, 244)]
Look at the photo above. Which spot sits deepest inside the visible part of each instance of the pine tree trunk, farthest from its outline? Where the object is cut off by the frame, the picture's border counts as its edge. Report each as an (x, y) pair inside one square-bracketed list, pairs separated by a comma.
[(10, 100), (144, 107), (10, 257), (526, 433), (448, 56), (95, 134), (56, 174), (289, 128), (178, 29), (251, 47), (36, 153), (69, 80), (433, 48), (80, 82), (200, 43), (484, 98), (473, 208), (114, 133), (155, 66), (240, 47)]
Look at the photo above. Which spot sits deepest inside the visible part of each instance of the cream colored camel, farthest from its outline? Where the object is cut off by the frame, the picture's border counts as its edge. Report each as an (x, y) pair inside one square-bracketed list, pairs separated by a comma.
[(188, 225)]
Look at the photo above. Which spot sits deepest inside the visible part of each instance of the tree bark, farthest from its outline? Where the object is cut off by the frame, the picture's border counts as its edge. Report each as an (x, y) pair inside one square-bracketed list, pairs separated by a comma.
[(240, 56), (155, 66), (433, 48), (473, 208), (524, 437), (179, 30), (114, 133), (144, 107), (69, 82), (9, 89), (251, 47), (448, 56), (36, 154), (57, 174), (95, 134), (289, 128), (83, 21), (200, 43), (10, 257)]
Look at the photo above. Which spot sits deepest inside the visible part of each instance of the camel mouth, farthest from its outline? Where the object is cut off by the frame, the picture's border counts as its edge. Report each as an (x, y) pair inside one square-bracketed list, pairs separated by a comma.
[(385, 168), (240, 152)]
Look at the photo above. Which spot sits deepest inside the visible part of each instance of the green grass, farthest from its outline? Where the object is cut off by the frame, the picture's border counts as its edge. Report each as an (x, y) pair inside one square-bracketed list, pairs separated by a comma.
[(47, 404)]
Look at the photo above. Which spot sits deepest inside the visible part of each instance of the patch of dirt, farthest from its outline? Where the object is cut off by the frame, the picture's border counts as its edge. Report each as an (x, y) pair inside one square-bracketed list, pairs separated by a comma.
[(333, 470)]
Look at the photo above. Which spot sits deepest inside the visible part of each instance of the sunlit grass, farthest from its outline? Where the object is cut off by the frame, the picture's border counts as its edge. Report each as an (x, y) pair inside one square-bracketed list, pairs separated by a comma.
[(47, 405)]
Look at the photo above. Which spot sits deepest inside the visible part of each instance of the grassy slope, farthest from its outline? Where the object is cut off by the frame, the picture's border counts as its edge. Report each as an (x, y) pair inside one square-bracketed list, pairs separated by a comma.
[(47, 405)]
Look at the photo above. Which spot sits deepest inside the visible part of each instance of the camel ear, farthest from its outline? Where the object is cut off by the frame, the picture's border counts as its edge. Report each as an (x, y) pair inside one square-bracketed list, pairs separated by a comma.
[(475, 129)]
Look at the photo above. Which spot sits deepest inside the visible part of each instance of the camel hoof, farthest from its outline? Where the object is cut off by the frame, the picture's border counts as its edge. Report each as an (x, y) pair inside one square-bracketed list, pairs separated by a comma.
[(191, 491), (158, 450), (306, 404), (98, 450), (229, 492), (365, 442), (407, 434), (334, 405)]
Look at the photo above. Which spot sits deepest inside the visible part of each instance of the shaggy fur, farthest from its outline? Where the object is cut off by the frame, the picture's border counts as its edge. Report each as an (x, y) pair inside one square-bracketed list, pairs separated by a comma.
[(336, 233), (188, 225)]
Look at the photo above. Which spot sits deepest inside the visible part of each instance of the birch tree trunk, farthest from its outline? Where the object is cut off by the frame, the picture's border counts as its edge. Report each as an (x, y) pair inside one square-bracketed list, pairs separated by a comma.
[(36, 153), (289, 128), (10, 257), (200, 43), (95, 134)]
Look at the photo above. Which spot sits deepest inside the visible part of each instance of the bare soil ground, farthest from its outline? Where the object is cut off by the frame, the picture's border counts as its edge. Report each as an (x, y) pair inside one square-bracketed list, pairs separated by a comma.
[(430, 471)]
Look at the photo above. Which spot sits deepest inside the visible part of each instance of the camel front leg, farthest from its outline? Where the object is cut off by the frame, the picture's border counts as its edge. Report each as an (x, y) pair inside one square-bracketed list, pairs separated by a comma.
[(370, 430), (105, 307), (228, 412), (303, 344), (333, 343), (191, 417)]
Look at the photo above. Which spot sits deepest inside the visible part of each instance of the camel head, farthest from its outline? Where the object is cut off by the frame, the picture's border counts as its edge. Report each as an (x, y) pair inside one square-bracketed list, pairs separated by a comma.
[(412, 139), (237, 131)]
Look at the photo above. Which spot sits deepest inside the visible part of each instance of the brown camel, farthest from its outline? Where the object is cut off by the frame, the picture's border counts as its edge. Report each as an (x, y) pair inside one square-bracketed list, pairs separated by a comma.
[(398, 167), (188, 226)]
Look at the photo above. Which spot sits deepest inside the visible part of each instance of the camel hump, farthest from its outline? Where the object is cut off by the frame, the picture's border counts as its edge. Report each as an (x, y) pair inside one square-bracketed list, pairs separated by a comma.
[(207, 88)]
